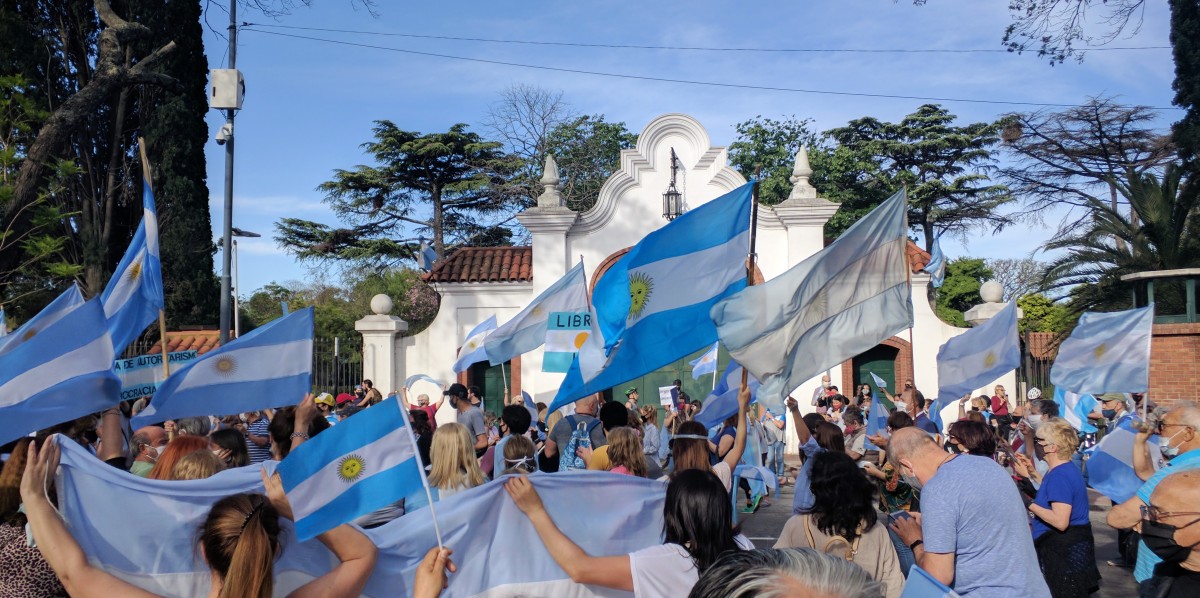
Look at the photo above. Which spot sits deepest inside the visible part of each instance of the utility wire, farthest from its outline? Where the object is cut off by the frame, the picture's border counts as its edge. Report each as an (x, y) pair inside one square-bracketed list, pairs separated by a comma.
[(687, 48), (680, 81)]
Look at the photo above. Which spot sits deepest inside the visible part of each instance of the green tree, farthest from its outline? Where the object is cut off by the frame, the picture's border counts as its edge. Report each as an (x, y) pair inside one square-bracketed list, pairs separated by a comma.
[(587, 150), (1166, 237), (1041, 314), (772, 145), (945, 168), (436, 184), (1185, 43), (960, 289)]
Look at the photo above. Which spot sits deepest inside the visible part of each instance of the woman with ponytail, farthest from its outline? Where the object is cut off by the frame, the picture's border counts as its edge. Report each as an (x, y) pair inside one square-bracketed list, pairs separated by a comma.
[(239, 540)]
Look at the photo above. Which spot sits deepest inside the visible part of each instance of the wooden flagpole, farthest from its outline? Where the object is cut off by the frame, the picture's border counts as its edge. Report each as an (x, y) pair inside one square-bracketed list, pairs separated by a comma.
[(162, 315), (912, 353), (752, 258)]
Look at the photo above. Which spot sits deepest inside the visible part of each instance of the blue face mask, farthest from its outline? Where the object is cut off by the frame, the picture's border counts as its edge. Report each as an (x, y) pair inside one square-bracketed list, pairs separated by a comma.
[(1108, 413)]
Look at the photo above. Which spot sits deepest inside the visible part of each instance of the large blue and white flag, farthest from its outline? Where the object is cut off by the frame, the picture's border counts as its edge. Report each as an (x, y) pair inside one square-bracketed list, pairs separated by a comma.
[(979, 356), (527, 331), (1075, 408), (1110, 467), (937, 264), (65, 303), (271, 366), (134, 294), (361, 465), (156, 550), (825, 310), (879, 382), (920, 584), (722, 402), (1107, 352), (58, 371), (472, 352), (651, 307), (705, 364)]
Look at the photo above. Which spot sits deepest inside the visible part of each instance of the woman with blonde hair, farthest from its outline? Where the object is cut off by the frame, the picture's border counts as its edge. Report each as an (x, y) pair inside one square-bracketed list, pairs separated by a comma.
[(519, 456), (625, 453), (452, 454), (650, 439), (239, 540), (197, 465)]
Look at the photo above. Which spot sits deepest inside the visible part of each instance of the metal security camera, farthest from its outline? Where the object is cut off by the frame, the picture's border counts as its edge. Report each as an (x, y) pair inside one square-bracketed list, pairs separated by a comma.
[(225, 133)]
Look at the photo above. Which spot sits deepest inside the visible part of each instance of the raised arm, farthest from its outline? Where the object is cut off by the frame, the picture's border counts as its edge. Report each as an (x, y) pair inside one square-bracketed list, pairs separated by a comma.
[(1142, 465), (739, 442), (608, 571), (54, 541), (404, 398), (802, 433), (355, 552)]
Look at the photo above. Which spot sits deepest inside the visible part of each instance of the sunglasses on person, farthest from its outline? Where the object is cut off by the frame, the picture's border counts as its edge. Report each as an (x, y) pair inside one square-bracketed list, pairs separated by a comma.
[(1155, 514)]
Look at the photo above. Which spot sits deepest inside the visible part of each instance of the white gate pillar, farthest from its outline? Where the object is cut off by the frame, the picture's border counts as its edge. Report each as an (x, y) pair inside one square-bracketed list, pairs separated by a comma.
[(379, 332)]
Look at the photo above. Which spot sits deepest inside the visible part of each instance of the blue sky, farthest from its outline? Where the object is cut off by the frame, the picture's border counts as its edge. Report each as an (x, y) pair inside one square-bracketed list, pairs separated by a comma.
[(309, 105)]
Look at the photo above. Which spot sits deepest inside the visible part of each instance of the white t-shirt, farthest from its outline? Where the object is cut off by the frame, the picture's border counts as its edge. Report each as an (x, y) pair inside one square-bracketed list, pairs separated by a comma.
[(667, 569), (724, 474)]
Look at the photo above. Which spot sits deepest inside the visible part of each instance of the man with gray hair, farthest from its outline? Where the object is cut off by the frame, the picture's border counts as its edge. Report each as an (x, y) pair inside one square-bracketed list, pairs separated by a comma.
[(1179, 441), (145, 446), (193, 426), (972, 519), (779, 573)]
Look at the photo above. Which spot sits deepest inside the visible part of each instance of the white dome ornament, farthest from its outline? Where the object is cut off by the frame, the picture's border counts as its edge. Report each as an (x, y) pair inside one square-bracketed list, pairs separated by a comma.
[(381, 305)]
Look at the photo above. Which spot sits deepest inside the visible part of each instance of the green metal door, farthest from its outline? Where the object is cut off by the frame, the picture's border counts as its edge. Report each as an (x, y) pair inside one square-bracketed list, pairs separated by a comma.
[(879, 360), (649, 384), (492, 384)]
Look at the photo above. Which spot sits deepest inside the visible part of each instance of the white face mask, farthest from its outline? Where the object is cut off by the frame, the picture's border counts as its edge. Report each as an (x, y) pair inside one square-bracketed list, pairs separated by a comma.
[(1164, 445), (901, 406), (1034, 420), (156, 451)]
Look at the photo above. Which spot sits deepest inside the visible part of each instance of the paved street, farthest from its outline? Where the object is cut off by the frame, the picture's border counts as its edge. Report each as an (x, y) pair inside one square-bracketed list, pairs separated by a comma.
[(764, 526)]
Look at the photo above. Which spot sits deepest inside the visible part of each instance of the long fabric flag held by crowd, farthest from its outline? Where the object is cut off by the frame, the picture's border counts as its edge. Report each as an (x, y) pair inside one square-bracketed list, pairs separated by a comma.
[(827, 309), (472, 350), (1107, 352), (651, 307), (58, 366), (267, 367), (144, 531), (360, 465), (1110, 467), (134, 294), (975, 358), (527, 331)]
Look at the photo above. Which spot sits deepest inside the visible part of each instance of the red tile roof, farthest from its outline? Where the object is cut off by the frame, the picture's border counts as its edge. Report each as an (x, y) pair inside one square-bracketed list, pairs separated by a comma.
[(917, 258), (202, 341), (485, 264), (1041, 345)]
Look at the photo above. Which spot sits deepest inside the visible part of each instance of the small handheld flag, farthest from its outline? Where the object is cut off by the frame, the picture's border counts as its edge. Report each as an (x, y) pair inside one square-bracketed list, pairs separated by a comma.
[(361, 465), (705, 364), (937, 264), (879, 382), (472, 350)]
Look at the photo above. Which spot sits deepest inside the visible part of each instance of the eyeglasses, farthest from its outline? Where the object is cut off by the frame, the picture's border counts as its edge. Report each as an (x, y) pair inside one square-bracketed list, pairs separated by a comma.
[(1162, 426), (1042, 441), (1155, 514)]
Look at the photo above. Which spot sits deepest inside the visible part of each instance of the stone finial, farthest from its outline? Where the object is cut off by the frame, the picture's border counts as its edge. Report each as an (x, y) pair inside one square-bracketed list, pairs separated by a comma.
[(550, 198), (991, 292), (801, 188), (381, 304)]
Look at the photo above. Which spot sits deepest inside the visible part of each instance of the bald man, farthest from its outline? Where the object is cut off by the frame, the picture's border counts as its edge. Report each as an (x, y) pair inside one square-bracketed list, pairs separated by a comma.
[(1172, 530), (972, 520), (1179, 434)]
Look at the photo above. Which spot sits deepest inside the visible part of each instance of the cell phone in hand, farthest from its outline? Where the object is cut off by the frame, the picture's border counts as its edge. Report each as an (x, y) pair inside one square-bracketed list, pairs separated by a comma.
[(895, 516)]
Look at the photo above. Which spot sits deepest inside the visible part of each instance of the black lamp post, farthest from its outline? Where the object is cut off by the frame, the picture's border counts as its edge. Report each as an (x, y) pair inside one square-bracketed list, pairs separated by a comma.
[(672, 198)]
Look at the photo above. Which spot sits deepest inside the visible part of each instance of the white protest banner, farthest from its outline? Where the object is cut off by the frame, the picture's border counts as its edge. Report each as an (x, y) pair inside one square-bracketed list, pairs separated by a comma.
[(666, 395), (141, 375)]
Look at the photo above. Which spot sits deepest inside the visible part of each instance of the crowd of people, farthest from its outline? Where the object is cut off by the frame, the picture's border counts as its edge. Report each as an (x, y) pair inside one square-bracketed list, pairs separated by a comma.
[(997, 505)]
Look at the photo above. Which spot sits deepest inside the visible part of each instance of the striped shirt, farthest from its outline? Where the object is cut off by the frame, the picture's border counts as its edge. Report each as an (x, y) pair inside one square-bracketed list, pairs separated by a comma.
[(258, 454)]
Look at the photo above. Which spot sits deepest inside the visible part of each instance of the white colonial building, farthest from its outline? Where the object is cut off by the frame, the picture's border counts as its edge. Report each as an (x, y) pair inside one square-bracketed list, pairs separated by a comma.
[(476, 283)]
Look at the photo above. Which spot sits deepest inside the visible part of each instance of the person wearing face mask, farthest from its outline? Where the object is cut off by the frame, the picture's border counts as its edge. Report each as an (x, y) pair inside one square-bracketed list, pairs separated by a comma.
[(972, 520), (146, 445), (1171, 529), (1038, 411), (1062, 531), (906, 400), (1179, 442)]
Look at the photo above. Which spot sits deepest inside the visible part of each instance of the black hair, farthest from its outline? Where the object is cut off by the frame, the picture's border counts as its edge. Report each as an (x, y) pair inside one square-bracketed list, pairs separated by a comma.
[(830, 437), (812, 420), (368, 383), (232, 441), (456, 390), (899, 420), (517, 419), (420, 422), (976, 437), (283, 425), (474, 390), (844, 497), (1045, 407), (697, 515), (613, 415)]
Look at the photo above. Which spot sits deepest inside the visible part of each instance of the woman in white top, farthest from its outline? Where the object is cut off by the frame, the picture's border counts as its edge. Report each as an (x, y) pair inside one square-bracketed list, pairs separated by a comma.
[(454, 467), (690, 446), (696, 523)]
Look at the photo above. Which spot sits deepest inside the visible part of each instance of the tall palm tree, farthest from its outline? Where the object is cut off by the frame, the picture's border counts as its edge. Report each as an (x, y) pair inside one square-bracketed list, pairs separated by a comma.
[(1161, 233)]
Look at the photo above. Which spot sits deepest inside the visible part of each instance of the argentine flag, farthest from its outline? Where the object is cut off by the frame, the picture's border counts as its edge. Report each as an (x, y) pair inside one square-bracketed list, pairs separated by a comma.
[(361, 465), (879, 382), (134, 294), (722, 402), (651, 307), (270, 366), (1110, 467), (527, 331), (937, 264), (1075, 408), (705, 364), (472, 352), (978, 356), (825, 310), (62, 305), (1107, 352), (58, 366)]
